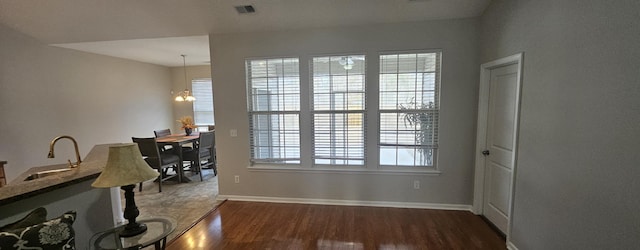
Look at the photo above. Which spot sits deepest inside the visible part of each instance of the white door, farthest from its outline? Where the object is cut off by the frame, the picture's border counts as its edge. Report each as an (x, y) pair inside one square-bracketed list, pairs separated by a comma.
[(499, 150)]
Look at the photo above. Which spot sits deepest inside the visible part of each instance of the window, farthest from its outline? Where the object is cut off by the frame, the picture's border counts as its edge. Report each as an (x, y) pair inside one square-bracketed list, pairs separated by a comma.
[(338, 105), (409, 109), (203, 105), (273, 88), (335, 113)]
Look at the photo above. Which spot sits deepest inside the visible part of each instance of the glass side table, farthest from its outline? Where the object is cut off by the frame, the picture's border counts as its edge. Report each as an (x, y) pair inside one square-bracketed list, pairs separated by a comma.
[(157, 231)]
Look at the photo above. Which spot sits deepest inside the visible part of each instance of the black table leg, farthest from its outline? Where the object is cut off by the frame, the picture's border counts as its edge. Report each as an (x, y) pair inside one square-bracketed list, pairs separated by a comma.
[(181, 177), (161, 244)]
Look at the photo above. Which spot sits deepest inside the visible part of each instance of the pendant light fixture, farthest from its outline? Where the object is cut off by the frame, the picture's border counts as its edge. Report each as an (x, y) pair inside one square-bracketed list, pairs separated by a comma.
[(185, 95), (346, 62)]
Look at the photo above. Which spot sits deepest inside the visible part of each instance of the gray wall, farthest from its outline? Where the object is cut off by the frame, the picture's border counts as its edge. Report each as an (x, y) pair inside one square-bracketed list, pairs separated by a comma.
[(48, 91), (577, 179), (458, 40)]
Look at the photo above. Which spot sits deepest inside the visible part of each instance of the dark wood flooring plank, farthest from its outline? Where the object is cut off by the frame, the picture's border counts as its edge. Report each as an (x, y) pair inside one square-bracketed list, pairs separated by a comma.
[(256, 225)]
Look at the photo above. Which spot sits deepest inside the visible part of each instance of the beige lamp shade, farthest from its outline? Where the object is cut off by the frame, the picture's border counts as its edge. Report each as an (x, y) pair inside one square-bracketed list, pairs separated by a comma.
[(125, 166)]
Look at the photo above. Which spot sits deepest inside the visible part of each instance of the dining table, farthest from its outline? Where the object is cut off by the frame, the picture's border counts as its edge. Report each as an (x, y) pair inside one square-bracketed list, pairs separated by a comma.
[(176, 141)]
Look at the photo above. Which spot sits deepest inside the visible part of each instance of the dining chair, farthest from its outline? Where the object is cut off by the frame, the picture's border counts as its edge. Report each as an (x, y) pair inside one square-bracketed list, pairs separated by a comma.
[(213, 151), (213, 160), (162, 132), (202, 152), (156, 160)]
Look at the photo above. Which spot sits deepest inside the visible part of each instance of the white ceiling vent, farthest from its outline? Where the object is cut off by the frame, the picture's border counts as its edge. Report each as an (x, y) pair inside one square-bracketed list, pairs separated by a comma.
[(245, 9)]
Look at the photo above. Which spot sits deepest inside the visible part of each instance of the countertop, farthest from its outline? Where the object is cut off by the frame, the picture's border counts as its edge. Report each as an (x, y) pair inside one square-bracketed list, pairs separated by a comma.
[(90, 168)]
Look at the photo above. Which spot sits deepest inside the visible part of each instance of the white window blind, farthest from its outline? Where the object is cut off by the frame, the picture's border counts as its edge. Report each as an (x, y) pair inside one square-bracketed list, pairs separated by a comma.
[(409, 109), (273, 89), (203, 105), (338, 107)]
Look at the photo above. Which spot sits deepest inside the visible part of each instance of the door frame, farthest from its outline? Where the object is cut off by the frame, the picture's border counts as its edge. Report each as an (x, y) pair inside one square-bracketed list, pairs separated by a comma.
[(481, 133)]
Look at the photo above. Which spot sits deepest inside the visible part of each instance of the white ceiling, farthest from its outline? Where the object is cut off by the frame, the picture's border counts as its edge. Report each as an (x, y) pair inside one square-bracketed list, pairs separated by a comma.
[(158, 31), (160, 51)]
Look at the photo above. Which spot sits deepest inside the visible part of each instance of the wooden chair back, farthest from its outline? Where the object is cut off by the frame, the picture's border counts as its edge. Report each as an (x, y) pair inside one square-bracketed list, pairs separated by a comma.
[(149, 148), (162, 133)]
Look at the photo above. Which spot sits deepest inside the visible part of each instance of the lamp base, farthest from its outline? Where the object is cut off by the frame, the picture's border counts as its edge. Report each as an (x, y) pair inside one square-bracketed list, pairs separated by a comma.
[(133, 230), (131, 211)]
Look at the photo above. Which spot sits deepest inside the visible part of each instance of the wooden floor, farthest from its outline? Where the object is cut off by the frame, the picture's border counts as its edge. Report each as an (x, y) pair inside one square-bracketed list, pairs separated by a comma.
[(257, 225)]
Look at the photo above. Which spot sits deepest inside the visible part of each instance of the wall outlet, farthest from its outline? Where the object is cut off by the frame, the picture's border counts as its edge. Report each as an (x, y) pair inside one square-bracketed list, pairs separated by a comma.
[(237, 178), (416, 184), (233, 132)]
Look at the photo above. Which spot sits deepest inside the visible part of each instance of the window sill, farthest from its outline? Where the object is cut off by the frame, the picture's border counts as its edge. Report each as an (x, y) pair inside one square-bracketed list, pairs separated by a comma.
[(342, 170)]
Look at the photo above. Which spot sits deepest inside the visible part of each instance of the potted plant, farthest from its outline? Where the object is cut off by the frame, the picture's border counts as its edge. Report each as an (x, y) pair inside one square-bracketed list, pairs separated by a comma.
[(187, 124), (418, 117)]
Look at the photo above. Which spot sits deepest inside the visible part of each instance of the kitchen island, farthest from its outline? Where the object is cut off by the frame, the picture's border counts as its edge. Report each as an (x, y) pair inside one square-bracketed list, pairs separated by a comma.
[(62, 192)]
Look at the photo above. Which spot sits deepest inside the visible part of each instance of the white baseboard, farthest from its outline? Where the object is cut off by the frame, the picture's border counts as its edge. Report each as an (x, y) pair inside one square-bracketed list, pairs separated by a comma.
[(347, 202), (511, 246)]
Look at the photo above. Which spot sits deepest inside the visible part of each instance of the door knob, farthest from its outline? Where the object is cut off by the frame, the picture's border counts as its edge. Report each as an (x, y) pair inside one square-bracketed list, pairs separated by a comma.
[(485, 152)]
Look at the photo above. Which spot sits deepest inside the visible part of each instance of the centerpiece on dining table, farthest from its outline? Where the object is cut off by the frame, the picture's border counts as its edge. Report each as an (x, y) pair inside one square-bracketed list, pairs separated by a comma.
[(187, 124)]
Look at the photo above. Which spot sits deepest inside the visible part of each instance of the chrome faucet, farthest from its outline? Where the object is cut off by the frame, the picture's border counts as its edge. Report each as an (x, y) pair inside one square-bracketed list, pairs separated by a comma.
[(75, 146)]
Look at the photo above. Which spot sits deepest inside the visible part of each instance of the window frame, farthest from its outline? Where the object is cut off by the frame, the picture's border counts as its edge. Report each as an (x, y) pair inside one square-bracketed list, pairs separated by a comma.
[(254, 161), (438, 97), (202, 126), (371, 119), (313, 112)]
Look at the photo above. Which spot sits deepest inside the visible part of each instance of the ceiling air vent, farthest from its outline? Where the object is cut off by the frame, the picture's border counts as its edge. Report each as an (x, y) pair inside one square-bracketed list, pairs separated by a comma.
[(245, 9)]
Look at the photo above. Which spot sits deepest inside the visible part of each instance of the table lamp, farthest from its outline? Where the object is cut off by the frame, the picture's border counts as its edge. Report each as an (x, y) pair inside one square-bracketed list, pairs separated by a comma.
[(126, 167)]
